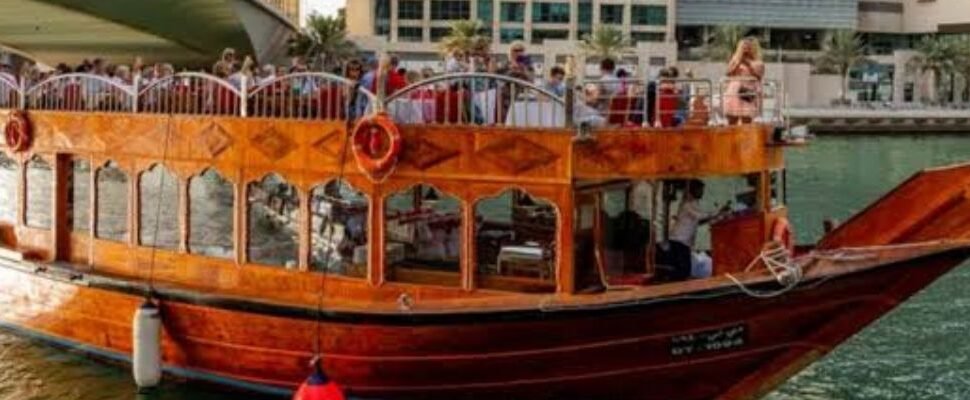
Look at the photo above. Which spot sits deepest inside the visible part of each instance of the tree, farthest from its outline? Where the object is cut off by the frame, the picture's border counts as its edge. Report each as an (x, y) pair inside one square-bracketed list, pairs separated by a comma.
[(841, 50), (324, 41), (937, 55), (465, 37), (720, 43), (606, 42), (962, 62)]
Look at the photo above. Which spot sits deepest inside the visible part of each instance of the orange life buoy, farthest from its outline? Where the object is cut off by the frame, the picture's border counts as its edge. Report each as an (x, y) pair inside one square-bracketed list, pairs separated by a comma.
[(377, 144), (781, 232), (17, 131)]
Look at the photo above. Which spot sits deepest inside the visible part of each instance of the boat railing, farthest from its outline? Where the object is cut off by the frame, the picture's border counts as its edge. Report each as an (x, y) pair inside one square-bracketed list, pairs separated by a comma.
[(191, 93), (309, 95), (80, 92), (477, 99), (750, 98), (11, 94)]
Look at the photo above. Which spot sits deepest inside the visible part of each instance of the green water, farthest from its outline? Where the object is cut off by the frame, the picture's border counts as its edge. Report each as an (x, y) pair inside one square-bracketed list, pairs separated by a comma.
[(920, 351)]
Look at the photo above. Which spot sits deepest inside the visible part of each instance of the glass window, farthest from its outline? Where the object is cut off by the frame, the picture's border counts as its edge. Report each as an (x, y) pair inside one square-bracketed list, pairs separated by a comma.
[(80, 197), (611, 13), (274, 222), (423, 231), (438, 33), (648, 15), (339, 230), (211, 206), (112, 222), (540, 35), (515, 242), (485, 13), (9, 182), (585, 13), (40, 181), (550, 12), (512, 11), (648, 36), (382, 17), (159, 196), (509, 35), (410, 9), (450, 9), (410, 34)]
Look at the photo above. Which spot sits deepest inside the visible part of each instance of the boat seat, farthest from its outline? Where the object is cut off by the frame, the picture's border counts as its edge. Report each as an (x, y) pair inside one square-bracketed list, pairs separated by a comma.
[(528, 259)]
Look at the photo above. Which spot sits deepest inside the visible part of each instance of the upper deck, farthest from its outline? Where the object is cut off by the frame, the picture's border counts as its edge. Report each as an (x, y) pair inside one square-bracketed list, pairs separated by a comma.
[(276, 148)]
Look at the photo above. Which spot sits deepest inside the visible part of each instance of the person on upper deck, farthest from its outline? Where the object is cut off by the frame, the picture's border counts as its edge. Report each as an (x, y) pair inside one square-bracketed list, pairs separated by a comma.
[(555, 83), (611, 84), (519, 65), (742, 100)]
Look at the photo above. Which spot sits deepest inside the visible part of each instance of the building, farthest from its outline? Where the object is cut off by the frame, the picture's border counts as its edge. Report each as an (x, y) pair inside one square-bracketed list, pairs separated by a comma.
[(289, 9), (549, 27), (188, 33)]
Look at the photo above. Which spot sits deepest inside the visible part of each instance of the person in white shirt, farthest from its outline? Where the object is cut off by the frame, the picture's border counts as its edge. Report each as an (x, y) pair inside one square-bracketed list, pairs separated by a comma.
[(689, 217), (611, 84)]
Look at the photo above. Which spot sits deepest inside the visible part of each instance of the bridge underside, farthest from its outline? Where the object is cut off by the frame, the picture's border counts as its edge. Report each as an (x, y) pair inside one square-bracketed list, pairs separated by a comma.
[(187, 33)]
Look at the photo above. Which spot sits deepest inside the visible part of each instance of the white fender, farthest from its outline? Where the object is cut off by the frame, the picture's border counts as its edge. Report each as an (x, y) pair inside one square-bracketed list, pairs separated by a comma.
[(146, 362)]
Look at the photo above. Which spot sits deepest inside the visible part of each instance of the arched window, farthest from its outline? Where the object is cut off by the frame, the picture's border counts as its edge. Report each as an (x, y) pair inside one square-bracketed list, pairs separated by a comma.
[(515, 242), (159, 195), (339, 232), (40, 180), (423, 228), (211, 205), (80, 197), (9, 181), (273, 222), (112, 221)]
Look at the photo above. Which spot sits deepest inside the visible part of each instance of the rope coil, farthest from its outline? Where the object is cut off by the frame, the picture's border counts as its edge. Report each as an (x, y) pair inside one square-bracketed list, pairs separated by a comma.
[(778, 261)]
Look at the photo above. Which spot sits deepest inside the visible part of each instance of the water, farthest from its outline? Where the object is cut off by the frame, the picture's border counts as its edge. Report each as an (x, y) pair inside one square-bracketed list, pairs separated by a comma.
[(919, 351)]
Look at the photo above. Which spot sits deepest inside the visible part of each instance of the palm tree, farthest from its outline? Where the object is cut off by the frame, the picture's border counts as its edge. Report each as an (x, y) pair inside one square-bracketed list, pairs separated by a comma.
[(937, 55), (324, 40), (465, 37), (606, 42), (841, 50), (720, 43)]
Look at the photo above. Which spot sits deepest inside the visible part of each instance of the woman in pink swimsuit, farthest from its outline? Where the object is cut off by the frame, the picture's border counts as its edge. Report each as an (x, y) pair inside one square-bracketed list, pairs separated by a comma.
[(742, 98)]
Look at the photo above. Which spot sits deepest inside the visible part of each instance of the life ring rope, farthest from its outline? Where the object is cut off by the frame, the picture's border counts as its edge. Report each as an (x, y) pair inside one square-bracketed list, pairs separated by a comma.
[(377, 143), (17, 132)]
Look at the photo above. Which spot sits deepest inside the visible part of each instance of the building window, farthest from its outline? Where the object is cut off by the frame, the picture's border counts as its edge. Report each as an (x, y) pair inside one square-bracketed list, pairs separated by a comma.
[(382, 18), (485, 13), (158, 212), (649, 15), (438, 33), (611, 13), (550, 12), (112, 221), (410, 9), (423, 236), (584, 13), (540, 35), (512, 12), (339, 234), (274, 222), (40, 178), (211, 203), (80, 197), (450, 9), (648, 36), (509, 35), (410, 34)]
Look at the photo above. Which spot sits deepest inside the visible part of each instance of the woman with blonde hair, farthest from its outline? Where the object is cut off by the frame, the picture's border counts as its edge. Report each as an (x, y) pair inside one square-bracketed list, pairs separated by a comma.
[(742, 98)]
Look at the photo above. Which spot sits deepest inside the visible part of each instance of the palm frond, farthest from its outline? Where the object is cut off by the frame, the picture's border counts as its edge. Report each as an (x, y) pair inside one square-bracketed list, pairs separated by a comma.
[(466, 37), (324, 38), (606, 42)]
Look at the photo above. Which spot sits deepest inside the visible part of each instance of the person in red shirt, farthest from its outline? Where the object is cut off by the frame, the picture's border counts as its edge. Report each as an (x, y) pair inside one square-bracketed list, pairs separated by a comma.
[(393, 79)]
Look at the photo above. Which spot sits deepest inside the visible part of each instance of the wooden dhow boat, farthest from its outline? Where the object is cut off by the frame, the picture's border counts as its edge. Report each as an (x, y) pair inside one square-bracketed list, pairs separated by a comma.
[(470, 236)]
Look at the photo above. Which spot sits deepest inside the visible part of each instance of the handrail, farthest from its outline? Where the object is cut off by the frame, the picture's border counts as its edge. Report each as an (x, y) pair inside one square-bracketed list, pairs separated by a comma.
[(473, 75), (11, 94), (189, 75), (324, 75), (192, 93), (87, 93), (309, 95)]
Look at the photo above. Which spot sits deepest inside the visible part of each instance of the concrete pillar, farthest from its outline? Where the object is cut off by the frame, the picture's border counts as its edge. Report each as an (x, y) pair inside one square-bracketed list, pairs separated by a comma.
[(671, 21), (426, 22), (574, 20), (527, 24), (392, 36)]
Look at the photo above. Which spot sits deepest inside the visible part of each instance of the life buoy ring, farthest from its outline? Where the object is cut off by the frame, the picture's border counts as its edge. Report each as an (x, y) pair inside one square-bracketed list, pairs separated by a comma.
[(377, 144), (17, 131), (781, 232)]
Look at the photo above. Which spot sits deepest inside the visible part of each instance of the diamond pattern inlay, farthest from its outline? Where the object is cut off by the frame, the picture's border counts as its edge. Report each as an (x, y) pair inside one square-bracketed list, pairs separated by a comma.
[(214, 139), (424, 154), (324, 145), (516, 155), (272, 144)]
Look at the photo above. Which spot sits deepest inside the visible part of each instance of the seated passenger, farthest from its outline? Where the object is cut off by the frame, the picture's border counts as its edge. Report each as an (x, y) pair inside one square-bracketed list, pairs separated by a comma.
[(555, 83), (587, 111), (689, 217)]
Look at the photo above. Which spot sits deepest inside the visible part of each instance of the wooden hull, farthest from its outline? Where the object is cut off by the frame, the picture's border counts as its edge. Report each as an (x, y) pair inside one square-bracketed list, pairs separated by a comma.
[(713, 344)]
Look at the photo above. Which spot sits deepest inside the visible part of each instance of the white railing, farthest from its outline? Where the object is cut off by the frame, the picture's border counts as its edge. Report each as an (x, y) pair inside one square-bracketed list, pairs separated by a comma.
[(309, 95), (191, 93), (11, 95), (81, 92), (477, 99)]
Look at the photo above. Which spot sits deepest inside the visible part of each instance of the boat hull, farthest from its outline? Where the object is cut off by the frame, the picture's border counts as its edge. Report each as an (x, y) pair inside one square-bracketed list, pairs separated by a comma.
[(713, 344)]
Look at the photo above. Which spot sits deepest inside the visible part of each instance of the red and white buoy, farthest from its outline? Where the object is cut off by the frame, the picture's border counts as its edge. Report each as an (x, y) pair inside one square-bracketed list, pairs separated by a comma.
[(318, 386)]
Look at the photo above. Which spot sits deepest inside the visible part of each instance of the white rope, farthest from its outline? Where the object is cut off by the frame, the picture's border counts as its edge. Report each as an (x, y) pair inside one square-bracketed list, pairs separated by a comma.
[(777, 260)]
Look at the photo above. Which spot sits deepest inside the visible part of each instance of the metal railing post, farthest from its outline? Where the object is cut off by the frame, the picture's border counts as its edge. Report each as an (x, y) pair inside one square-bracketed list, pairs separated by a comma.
[(134, 92), (243, 95)]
